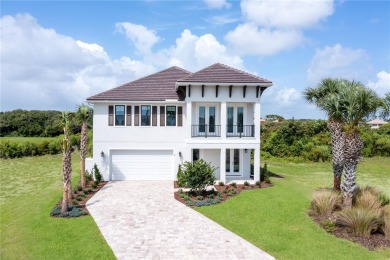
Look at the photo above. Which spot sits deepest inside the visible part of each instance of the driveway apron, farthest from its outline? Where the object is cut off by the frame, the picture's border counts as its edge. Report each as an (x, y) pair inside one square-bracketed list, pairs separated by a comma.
[(142, 220)]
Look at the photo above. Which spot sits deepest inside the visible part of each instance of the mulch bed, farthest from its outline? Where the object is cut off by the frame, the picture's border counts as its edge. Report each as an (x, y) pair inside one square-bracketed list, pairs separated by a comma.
[(224, 195), (82, 203), (375, 241)]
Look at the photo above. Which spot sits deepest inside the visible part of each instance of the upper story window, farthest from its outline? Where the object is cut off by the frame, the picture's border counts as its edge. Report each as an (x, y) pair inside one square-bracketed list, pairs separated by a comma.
[(145, 115), (171, 115), (120, 115)]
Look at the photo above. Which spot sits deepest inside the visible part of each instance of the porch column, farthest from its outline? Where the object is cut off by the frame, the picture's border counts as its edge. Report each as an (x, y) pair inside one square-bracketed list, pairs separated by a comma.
[(256, 109), (222, 165), (223, 120), (256, 166), (189, 119)]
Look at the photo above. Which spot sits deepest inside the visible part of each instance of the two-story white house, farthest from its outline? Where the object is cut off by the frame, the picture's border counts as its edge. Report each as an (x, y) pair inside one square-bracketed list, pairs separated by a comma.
[(144, 129)]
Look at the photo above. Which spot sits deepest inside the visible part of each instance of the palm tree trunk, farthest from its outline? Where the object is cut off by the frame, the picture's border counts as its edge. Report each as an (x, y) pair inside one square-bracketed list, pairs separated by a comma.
[(83, 153), (69, 169), (338, 142), (66, 165), (353, 146)]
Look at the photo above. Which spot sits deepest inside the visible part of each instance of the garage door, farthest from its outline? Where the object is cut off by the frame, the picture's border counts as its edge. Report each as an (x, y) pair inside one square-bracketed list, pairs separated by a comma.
[(142, 165)]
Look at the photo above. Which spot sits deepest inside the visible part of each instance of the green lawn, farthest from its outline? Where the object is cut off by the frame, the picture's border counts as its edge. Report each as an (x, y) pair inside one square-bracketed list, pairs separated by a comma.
[(30, 187), (35, 140), (275, 219)]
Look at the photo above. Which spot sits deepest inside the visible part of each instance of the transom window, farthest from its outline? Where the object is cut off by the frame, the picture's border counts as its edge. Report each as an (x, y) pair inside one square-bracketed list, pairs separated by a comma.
[(145, 115), (119, 115), (171, 115)]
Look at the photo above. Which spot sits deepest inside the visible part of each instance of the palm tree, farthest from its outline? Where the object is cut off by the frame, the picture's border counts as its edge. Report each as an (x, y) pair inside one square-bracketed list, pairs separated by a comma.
[(66, 163), (328, 87), (82, 114), (356, 102)]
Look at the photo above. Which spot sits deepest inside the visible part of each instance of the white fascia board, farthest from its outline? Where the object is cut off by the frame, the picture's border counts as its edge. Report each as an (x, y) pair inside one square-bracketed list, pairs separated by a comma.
[(265, 84), (170, 101)]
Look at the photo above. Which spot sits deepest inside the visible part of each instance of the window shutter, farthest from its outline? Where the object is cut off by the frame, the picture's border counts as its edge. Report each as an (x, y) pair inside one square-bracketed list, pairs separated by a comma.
[(110, 115), (154, 116), (128, 115), (136, 115), (162, 116), (179, 116)]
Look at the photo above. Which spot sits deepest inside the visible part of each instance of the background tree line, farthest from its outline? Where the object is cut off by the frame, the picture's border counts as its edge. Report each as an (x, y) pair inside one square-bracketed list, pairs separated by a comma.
[(309, 140), (34, 123)]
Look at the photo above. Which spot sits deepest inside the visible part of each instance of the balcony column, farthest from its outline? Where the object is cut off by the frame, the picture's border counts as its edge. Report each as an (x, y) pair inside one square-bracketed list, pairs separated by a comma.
[(256, 164), (189, 119), (223, 120), (222, 165), (256, 109)]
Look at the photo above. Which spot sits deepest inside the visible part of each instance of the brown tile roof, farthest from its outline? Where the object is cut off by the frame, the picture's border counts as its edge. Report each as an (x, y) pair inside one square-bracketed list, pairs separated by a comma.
[(156, 87), (220, 73)]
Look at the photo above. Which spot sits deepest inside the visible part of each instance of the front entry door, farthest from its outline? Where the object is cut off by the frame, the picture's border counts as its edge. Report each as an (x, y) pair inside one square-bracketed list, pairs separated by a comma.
[(235, 120), (233, 165)]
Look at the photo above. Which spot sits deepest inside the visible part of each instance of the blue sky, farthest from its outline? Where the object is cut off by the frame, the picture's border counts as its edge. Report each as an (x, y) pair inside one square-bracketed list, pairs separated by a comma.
[(56, 54)]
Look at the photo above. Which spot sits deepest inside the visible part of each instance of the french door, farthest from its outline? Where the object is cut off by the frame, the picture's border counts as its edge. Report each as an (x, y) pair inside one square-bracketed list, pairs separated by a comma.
[(235, 120), (206, 119), (233, 165)]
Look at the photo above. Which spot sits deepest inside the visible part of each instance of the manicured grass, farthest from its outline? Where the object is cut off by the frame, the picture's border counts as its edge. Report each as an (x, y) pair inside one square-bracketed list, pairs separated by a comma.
[(35, 140), (275, 219), (30, 187)]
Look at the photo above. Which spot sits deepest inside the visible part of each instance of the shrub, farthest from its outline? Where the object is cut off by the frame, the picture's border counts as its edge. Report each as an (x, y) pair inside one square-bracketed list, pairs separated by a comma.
[(328, 225), (383, 199), (88, 176), (94, 185), (386, 221), (221, 183), (324, 202), (180, 177), (198, 175), (234, 184), (264, 174), (186, 198), (56, 211), (96, 171), (258, 184), (199, 198), (362, 221), (79, 188), (367, 199), (89, 190), (246, 183), (79, 198), (211, 196)]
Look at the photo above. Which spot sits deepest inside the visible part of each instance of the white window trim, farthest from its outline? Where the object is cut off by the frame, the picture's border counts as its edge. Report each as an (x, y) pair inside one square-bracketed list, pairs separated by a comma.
[(166, 116), (115, 125), (140, 116)]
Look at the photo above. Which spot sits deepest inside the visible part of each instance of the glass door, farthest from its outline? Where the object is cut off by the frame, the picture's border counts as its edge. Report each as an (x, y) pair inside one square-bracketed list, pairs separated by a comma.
[(206, 116), (233, 162), (235, 120)]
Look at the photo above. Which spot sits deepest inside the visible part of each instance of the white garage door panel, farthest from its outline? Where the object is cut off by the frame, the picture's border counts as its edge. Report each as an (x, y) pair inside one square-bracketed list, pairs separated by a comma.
[(142, 165)]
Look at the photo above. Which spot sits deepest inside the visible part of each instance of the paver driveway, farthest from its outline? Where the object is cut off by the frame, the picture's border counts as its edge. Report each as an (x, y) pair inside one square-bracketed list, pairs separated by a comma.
[(142, 220)]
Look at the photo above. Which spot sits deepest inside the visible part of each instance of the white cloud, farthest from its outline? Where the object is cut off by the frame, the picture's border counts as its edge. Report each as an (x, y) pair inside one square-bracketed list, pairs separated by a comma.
[(274, 26), (42, 69), (338, 62), (222, 19), (262, 41), (217, 4), (143, 38), (286, 13), (382, 84), (195, 52)]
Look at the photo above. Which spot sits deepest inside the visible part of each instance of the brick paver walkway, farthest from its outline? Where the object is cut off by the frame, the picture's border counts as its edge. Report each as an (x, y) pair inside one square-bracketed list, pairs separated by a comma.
[(142, 220)]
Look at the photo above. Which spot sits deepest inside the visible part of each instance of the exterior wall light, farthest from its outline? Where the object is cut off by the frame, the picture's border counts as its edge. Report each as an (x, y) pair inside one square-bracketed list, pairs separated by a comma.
[(246, 150), (180, 154), (102, 154)]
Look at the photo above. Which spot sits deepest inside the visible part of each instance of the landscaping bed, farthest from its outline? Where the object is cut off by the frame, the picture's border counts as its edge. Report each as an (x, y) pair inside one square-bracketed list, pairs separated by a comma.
[(219, 194), (365, 223), (80, 198)]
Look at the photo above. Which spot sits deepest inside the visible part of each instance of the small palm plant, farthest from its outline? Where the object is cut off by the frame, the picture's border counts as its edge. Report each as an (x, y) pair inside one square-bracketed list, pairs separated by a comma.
[(82, 115)]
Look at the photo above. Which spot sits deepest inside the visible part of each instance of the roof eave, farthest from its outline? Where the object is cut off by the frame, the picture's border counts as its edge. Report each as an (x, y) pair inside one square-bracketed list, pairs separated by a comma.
[(261, 84)]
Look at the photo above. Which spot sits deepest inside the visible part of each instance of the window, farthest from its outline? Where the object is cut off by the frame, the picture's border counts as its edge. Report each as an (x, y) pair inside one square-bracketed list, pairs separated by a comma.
[(195, 155), (171, 116), (145, 115), (119, 115)]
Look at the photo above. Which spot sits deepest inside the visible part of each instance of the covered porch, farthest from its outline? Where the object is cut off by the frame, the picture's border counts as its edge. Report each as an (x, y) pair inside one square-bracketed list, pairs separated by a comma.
[(233, 164)]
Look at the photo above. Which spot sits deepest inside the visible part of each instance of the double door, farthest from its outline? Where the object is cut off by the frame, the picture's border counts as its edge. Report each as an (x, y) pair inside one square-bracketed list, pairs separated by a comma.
[(233, 165), (206, 119)]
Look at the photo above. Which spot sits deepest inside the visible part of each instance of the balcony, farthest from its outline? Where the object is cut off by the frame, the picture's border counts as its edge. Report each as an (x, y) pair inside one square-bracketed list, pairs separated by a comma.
[(215, 131), (206, 131), (240, 131)]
